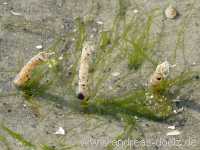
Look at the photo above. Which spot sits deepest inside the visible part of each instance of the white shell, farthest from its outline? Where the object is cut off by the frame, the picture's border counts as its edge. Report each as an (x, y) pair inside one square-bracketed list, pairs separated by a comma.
[(135, 11), (39, 46), (170, 12), (172, 127), (60, 131), (15, 13), (115, 74)]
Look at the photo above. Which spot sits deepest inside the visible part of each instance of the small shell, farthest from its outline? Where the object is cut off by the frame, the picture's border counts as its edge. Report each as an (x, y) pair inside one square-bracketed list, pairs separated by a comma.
[(172, 127), (39, 46), (15, 13), (25, 74), (170, 12), (60, 131)]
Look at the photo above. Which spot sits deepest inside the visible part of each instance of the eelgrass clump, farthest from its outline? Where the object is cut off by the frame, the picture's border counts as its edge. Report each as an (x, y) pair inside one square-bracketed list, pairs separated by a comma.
[(150, 103), (137, 103)]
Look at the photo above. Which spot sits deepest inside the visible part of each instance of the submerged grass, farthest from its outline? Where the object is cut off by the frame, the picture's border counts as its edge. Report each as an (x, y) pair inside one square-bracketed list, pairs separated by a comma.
[(5, 142), (135, 104), (131, 40), (46, 147), (149, 103), (18, 137), (141, 47)]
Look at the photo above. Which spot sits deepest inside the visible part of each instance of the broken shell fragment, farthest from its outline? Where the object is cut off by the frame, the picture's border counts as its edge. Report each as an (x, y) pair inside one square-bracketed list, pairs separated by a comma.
[(171, 12), (161, 73), (60, 131), (86, 56), (25, 74)]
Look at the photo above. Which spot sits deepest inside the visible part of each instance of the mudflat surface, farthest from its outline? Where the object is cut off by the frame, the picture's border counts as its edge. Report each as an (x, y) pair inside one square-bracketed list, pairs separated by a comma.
[(33, 121)]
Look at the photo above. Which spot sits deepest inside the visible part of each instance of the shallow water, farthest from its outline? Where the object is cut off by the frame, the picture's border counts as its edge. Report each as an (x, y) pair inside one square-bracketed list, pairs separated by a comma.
[(130, 38)]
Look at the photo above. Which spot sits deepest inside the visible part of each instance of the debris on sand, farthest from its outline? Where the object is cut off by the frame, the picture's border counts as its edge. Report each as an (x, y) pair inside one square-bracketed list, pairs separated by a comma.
[(39, 46), (135, 11), (60, 131), (15, 13), (172, 127), (100, 22), (115, 74)]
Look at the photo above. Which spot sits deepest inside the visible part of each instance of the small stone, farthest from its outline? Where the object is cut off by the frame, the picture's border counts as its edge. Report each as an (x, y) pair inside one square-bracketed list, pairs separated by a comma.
[(171, 12)]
